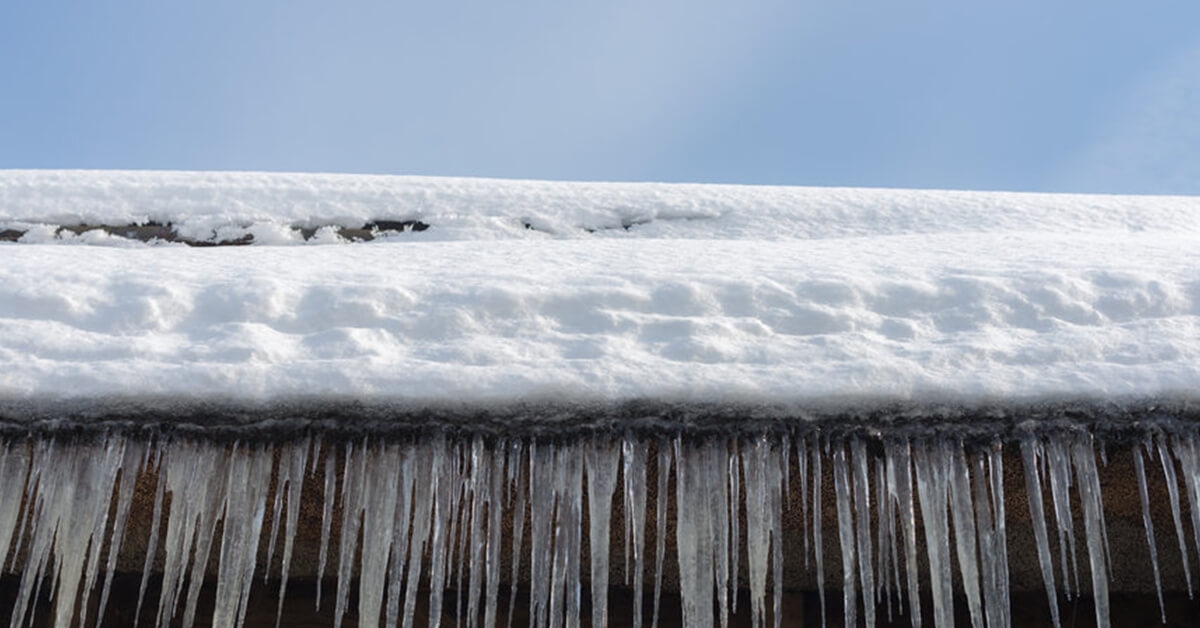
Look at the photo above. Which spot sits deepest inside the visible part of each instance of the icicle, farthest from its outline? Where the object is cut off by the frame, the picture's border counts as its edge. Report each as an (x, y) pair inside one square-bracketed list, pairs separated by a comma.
[(1168, 467), (757, 532), (354, 482), (1084, 459), (135, 453), (627, 520), (634, 455), (94, 527), (962, 513), (326, 516), (1000, 532), (994, 604), (930, 464), (184, 473), (195, 476), (127, 470), (518, 490), (1059, 466), (445, 510), (842, 492), (1189, 463), (602, 456), (495, 500), (70, 514), (380, 493), (900, 489), (276, 513), (152, 544), (1140, 468), (883, 541), (816, 528), (245, 507), (426, 467), (551, 600), (14, 465), (565, 592), (401, 520), (777, 467), (294, 468), (462, 521), (693, 539), (660, 507), (541, 516), (1037, 517), (802, 468), (889, 513), (28, 473), (478, 483), (785, 452), (39, 543), (717, 469), (862, 506), (735, 504)]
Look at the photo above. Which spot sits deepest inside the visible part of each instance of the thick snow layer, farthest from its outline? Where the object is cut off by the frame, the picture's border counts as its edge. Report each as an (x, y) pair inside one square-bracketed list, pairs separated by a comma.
[(712, 293)]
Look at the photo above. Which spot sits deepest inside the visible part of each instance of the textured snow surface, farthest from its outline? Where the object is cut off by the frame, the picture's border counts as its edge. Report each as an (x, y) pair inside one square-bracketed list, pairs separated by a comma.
[(617, 291)]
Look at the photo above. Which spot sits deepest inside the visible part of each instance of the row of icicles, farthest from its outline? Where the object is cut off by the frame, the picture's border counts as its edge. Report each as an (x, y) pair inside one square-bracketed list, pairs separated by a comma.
[(434, 510)]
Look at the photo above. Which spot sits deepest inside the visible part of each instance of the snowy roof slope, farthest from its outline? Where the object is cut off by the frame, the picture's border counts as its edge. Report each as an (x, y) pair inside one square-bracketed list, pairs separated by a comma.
[(524, 290)]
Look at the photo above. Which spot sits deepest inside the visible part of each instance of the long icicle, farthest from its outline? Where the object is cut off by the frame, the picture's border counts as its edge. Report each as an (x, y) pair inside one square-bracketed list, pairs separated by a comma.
[(664, 472), (929, 461), (439, 504), (602, 456), (818, 553), (862, 524), (1083, 457), (1037, 517), (845, 512), (1140, 469), (634, 455), (754, 461), (1168, 467)]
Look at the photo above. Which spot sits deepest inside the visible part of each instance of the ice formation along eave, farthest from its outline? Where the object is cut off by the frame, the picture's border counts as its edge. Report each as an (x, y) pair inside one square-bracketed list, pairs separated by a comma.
[(437, 510)]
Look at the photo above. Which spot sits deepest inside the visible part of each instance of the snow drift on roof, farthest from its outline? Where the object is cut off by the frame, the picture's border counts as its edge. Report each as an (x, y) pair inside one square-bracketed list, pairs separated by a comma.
[(529, 290)]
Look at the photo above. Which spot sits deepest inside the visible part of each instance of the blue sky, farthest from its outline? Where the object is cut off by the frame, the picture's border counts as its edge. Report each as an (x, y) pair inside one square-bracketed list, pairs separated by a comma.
[(1042, 96)]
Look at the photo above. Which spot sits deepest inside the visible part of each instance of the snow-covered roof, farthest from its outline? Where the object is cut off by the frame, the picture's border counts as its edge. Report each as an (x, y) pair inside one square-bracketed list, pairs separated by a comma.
[(521, 290)]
